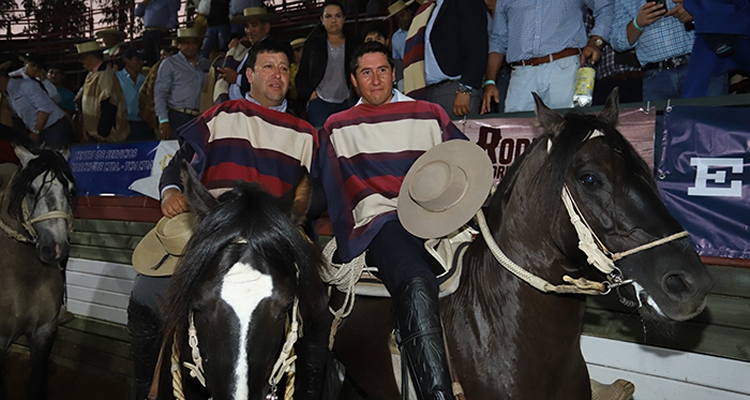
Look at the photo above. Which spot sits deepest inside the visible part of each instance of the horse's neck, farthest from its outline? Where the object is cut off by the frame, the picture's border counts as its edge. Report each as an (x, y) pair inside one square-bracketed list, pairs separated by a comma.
[(5, 195)]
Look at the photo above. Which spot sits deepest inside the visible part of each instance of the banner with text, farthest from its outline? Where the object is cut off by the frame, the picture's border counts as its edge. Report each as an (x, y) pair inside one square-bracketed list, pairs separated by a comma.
[(704, 176)]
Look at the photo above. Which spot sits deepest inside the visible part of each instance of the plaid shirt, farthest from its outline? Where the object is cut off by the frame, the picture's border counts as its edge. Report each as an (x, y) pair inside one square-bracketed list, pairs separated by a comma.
[(606, 66)]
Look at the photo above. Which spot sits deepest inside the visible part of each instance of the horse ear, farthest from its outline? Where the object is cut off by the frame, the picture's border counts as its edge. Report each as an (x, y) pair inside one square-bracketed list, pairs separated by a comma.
[(296, 201), (23, 154), (550, 120), (611, 110), (197, 195)]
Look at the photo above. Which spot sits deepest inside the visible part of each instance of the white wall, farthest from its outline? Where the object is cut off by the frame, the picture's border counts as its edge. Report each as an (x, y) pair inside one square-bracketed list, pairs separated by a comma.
[(99, 289)]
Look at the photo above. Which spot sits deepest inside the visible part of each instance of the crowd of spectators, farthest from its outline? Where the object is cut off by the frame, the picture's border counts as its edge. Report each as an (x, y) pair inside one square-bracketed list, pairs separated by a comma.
[(470, 57)]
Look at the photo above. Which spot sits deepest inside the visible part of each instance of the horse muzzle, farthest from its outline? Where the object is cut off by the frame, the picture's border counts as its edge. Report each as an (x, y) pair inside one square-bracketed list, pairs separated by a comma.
[(53, 252)]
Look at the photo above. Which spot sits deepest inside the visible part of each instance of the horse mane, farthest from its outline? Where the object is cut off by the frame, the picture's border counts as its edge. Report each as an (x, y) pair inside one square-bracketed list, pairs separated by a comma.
[(551, 176), (249, 213), (49, 163)]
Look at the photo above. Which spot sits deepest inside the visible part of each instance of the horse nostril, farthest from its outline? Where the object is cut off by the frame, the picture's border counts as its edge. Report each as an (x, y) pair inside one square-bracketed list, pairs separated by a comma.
[(675, 284)]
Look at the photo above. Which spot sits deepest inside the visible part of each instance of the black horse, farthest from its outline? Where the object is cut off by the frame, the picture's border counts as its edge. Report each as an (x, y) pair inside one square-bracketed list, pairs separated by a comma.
[(509, 340), (35, 217), (245, 271)]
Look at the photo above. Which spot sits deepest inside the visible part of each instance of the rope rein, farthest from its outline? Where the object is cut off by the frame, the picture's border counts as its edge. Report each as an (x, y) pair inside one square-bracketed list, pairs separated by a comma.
[(344, 278), (28, 222)]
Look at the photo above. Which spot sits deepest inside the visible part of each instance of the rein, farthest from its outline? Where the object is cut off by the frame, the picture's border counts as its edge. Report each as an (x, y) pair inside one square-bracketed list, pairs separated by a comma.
[(597, 255), (28, 222)]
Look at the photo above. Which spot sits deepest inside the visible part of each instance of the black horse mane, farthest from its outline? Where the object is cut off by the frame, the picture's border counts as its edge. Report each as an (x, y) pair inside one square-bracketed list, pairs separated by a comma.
[(54, 167), (249, 213)]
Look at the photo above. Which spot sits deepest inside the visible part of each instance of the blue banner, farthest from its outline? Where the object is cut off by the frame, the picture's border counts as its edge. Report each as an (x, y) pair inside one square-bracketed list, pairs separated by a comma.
[(108, 169), (704, 176)]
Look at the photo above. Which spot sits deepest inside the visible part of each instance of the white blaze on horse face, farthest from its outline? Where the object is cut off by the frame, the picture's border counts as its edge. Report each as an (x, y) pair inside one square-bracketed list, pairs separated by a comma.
[(243, 288), (649, 300)]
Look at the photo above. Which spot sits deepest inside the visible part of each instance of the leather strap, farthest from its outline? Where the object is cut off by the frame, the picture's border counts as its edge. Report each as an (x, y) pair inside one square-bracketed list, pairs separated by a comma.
[(153, 394), (532, 62)]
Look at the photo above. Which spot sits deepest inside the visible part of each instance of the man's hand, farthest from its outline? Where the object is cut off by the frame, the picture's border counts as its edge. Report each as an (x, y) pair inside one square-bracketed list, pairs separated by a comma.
[(649, 13), (490, 94), (34, 137), (461, 104), (165, 130), (314, 95), (679, 12), (591, 51), (173, 202), (228, 74)]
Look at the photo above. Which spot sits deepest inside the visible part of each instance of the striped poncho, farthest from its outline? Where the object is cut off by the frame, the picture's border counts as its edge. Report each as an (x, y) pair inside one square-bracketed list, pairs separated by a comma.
[(365, 152)]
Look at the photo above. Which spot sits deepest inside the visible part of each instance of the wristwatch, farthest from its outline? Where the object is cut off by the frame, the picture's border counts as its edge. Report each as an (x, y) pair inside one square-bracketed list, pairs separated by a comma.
[(599, 42), (465, 89), (36, 131)]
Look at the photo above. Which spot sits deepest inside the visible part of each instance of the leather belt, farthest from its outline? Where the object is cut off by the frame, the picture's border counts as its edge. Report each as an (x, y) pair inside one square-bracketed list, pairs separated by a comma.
[(532, 62), (669, 63), (187, 111)]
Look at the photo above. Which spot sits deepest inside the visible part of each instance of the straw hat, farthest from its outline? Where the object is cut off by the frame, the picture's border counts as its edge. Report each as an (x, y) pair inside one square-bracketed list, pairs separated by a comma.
[(111, 31), (88, 47), (297, 43), (397, 7), (444, 188), (185, 33), (158, 252), (251, 13)]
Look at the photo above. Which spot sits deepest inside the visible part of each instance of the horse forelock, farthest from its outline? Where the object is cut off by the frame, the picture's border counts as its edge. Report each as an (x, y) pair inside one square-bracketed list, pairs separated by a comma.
[(52, 166)]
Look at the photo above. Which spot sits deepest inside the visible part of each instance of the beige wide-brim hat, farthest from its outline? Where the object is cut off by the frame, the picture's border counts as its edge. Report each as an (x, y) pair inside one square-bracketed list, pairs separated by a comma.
[(397, 7), (251, 13), (444, 188), (297, 43), (111, 31), (159, 251), (187, 33), (89, 47)]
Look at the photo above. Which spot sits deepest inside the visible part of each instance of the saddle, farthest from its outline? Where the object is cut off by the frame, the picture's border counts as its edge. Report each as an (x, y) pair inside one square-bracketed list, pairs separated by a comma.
[(358, 278)]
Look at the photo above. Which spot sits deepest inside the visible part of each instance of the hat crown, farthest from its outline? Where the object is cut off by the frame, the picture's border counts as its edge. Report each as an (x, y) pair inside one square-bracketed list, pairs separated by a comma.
[(396, 7), (174, 233), (438, 185)]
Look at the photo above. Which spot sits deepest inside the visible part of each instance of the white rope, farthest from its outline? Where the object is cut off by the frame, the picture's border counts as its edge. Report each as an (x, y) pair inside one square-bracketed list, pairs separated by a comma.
[(176, 371), (344, 278), (196, 369), (285, 362)]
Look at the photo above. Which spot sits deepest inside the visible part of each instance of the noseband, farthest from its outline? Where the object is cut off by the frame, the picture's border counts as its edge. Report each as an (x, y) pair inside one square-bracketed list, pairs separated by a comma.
[(596, 252), (28, 222)]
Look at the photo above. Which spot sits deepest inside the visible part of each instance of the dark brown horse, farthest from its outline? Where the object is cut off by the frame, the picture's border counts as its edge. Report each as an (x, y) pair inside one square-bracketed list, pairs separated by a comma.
[(508, 340), (36, 220), (246, 268)]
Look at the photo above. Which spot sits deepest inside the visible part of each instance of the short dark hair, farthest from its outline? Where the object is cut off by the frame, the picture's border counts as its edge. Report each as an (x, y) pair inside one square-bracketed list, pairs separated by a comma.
[(268, 45), (365, 48), (336, 3), (375, 27)]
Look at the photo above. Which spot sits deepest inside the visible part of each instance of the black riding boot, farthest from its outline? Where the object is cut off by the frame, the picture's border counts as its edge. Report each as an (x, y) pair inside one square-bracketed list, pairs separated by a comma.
[(421, 335), (144, 329)]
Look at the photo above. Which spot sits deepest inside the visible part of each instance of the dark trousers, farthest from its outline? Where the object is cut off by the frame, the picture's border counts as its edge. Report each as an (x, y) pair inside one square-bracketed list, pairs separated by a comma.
[(153, 41), (58, 135), (399, 256), (176, 120), (139, 130), (319, 110), (444, 94)]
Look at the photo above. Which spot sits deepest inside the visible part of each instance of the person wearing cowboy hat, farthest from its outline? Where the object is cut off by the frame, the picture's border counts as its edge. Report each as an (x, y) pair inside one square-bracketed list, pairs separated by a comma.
[(257, 22), (179, 84), (402, 14), (102, 102), (365, 153), (256, 139), (114, 47)]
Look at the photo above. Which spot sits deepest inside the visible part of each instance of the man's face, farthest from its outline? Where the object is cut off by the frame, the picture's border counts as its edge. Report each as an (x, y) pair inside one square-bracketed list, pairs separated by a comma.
[(403, 18), (31, 69), (88, 61), (134, 63), (333, 19), (189, 46), (269, 79), (110, 40), (256, 30), (374, 79), (376, 37), (164, 53), (56, 76)]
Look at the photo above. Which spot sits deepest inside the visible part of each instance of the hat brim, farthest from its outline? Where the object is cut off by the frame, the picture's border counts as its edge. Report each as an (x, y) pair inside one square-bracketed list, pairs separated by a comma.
[(241, 19), (118, 33), (406, 5), (150, 259), (473, 160)]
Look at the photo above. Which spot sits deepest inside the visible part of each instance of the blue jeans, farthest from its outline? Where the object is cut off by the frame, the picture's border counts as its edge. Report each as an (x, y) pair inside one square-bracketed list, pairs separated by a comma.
[(663, 84), (58, 135), (319, 110), (216, 38)]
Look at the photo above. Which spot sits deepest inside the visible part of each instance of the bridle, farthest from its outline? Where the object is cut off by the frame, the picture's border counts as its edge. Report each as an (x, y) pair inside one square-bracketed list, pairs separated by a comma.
[(28, 223), (596, 252)]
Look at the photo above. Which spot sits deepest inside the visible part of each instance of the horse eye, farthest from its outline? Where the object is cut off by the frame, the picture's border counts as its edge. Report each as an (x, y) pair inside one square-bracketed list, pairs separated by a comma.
[(588, 180)]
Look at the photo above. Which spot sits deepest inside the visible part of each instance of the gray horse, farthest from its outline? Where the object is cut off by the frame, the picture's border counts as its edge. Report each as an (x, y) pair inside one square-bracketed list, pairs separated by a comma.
[(35, 219)]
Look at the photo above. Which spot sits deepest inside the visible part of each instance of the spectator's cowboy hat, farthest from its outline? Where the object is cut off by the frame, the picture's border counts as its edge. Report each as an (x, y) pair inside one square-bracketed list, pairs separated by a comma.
[(252, 13), (397, 7), (111, 31), (33, 59), (444, 188), (159, 251), (89, 47), (297, 43), (187, 33), (5, 66)]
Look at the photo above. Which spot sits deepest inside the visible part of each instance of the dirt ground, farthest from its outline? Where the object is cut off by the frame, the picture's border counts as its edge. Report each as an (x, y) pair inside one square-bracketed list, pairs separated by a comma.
[(64, 383)]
